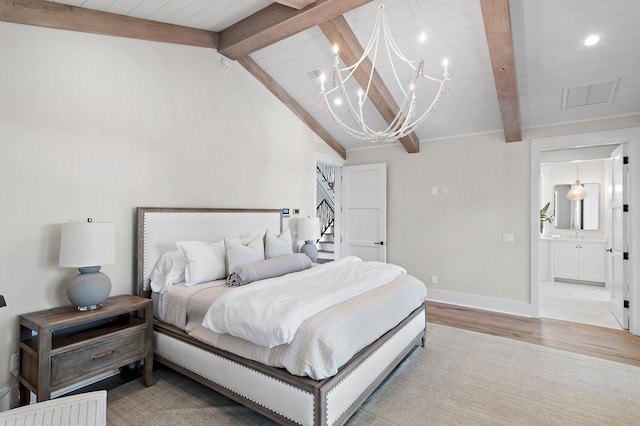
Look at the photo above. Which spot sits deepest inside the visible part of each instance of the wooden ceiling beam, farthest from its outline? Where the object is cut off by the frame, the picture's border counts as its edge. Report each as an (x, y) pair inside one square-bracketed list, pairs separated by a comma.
[(55, 15), (276, 22), (296, 4), (497, 26), (338, 31), (284, 97)]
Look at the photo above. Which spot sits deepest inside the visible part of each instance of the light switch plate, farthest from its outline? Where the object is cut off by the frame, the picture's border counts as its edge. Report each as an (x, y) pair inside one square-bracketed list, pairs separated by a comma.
[(507, 238)]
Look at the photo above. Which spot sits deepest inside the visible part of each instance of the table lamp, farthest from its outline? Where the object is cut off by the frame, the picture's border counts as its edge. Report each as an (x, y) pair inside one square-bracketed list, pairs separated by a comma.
[(87, 246), (309, 232)]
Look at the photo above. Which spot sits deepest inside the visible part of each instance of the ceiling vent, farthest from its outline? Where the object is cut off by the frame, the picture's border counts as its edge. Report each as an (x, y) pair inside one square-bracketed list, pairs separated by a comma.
[(598, 93), (313, 74)]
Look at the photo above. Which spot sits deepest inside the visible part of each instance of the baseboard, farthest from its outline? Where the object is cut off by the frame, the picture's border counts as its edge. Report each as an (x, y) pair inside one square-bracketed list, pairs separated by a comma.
[(583, 282), (82, 384), (502, 306)]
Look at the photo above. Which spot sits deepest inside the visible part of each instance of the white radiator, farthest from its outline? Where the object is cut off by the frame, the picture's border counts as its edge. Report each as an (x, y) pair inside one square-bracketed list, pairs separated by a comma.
[(87, 409)]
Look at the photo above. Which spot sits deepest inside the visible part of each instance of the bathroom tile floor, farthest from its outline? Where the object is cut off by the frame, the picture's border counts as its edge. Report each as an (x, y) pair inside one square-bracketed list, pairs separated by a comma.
[(587, 304)]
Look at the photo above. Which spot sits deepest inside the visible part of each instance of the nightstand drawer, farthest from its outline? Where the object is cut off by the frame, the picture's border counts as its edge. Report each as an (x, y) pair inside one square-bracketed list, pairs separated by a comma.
[(109, 353)]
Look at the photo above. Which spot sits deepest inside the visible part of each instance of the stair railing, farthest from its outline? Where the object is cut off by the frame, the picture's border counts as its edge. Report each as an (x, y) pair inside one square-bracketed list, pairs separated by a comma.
[(326, 215), (328, 173)]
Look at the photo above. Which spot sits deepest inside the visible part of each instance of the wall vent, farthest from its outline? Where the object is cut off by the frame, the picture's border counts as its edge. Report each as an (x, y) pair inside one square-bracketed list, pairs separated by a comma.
[(591, 94), (313, 74)]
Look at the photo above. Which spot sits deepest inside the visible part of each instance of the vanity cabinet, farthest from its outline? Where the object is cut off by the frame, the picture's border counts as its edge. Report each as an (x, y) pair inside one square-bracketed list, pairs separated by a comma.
[(579, 260)]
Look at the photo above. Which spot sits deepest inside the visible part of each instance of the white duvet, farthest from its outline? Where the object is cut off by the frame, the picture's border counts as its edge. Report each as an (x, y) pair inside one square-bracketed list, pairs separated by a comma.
[(268, 313)]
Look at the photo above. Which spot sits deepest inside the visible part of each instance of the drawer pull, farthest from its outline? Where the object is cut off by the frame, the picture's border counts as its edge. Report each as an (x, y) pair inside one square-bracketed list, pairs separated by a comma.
[(101, 354)]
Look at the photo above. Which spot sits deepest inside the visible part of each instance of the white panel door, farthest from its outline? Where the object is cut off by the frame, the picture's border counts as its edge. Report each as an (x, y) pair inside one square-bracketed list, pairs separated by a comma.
[(618, 272), (364, 212)]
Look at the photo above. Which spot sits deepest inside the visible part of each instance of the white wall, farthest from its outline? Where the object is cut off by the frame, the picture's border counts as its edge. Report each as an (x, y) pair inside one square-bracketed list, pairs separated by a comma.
[(93, 126), (458, 236)]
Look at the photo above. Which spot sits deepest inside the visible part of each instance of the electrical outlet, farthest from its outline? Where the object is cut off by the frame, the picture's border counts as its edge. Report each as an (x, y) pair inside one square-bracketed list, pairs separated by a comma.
[(15, 364), (434, 279)]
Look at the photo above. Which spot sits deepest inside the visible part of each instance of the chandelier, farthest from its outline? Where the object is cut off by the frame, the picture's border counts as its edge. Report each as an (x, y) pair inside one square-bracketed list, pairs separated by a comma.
[(406, 120)]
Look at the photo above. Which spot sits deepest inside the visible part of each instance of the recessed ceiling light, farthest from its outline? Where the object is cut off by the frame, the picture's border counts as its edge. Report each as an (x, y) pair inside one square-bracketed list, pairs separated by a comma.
[(591, 40), (337, 101)]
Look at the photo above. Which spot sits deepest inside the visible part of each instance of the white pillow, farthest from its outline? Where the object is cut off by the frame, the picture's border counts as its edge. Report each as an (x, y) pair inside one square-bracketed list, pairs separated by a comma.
[(205, 261), (239, 254), (169, 270), (275, 246)]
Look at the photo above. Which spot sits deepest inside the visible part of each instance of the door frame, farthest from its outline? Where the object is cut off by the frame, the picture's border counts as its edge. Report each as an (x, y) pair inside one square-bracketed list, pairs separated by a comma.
[(612, 137)]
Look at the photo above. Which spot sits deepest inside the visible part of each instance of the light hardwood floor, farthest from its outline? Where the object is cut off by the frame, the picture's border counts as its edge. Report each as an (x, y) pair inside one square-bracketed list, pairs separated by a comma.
[(601, 342)]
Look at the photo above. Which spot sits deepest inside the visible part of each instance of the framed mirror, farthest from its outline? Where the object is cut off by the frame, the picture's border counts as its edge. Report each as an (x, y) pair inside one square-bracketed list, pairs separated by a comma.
[(577, 214)]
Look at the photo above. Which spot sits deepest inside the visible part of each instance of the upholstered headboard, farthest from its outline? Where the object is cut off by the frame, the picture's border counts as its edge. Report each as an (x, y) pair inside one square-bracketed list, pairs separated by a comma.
[(158, 229)]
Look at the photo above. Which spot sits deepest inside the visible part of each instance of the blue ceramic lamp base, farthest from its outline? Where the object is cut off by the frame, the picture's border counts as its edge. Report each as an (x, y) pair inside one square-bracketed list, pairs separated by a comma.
[(310, 250), (89, 289)]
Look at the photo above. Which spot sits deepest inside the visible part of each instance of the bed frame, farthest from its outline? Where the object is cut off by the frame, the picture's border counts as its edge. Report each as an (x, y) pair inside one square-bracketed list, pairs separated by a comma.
[(273, 392)]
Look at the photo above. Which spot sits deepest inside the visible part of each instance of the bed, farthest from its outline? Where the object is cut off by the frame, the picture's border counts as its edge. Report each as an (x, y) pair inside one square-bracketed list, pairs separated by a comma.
[(329, 399)]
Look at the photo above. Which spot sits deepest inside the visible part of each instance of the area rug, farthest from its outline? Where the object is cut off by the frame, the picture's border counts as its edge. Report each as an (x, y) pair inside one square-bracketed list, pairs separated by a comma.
[(459, 378)]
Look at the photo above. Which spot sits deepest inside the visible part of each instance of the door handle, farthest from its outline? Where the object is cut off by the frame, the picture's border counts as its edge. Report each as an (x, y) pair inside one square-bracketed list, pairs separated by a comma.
[(381, 243), (610, 250)]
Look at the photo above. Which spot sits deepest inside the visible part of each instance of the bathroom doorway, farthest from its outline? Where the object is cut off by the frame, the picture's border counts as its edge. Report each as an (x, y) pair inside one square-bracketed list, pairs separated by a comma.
[(629, 137), (576, 235)]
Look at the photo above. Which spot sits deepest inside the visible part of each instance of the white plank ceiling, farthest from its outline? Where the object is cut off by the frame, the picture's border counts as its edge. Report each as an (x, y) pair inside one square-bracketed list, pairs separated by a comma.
[(548, 38)]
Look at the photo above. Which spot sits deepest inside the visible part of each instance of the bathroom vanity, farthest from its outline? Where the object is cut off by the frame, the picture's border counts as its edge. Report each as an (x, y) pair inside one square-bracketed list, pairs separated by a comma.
[(579, 260)]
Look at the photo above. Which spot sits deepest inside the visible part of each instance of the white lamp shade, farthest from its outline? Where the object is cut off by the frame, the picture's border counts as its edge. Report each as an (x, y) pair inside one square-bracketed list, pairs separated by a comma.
[(87, 244), (577, 192), (308, 229)]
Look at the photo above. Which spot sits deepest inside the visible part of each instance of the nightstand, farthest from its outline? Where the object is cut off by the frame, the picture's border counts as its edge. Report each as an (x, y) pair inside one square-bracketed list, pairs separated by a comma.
[(63, 346)]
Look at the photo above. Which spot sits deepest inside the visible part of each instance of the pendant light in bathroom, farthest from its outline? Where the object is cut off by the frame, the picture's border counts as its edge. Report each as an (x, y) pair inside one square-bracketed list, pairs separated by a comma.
[(577, 191)]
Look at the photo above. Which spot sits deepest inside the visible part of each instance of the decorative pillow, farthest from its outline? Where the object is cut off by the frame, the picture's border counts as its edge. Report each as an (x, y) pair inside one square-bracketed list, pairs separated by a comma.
[(239, 254), (269, 268), (280, 245), (205, 261), (169, 270)]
